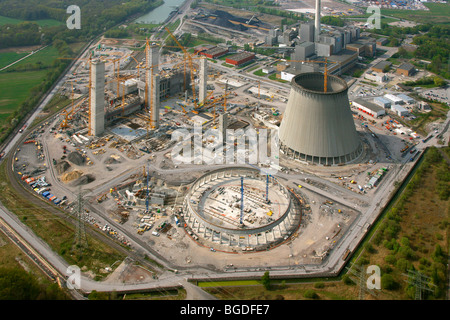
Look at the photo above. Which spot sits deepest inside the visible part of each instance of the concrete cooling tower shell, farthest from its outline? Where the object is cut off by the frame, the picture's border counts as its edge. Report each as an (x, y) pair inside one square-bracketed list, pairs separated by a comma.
[(318, 126)]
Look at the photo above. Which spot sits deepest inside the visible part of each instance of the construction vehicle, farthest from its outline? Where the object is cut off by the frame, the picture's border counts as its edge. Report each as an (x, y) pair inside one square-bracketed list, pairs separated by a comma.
[(102, 198)]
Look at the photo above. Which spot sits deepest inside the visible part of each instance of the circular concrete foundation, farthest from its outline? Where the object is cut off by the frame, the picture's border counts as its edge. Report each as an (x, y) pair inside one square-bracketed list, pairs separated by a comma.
[(216, 214)]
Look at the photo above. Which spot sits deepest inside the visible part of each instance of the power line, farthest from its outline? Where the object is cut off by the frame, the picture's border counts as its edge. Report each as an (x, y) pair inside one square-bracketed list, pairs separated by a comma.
[(420, 282), (359, 277), (80, 240)]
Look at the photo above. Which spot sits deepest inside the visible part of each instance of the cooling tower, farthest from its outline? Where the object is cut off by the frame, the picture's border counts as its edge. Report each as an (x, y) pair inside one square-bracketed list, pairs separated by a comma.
[(318, 126)]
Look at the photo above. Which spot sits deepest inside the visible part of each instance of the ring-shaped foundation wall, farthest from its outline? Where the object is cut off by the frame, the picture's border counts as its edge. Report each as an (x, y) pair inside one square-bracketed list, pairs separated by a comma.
[(206, 232)]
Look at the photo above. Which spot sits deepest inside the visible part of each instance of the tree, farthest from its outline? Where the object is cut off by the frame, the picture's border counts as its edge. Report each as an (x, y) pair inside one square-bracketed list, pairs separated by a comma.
[(439, 81), (388, 282), (265, 280)]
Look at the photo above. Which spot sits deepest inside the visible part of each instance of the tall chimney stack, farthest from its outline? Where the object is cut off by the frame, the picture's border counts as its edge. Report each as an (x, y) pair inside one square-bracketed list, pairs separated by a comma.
[(317, 21)]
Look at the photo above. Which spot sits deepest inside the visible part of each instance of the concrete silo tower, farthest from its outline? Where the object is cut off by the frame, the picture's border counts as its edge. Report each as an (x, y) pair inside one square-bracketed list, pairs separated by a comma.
[(318, 126)]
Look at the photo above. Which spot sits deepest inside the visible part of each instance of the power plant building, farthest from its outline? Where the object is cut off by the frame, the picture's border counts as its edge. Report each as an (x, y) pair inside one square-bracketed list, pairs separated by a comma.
[(318, 126)]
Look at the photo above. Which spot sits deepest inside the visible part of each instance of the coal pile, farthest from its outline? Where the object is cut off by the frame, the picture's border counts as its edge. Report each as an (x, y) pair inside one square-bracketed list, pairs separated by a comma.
[(76, 158), (62, 166), (84, 179)]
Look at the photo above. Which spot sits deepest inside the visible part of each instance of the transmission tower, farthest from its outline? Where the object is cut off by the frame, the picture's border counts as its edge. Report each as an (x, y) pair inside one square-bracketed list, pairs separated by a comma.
[(80, 240), (420, 282), (359, 277)]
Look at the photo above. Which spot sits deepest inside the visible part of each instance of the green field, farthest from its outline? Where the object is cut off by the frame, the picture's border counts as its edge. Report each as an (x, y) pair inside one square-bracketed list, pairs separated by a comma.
[(16, 88), (16, 85), (45, 57), (41, 23), (7, 58), (439, 13)]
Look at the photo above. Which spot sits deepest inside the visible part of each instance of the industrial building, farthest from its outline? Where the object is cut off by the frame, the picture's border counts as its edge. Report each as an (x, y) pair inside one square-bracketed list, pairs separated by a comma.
[(382, 66), (337, 64), (240, 58), (407, 99), (369, 108), (130, 94), (394, 99), (376, 76), (399, 110), (382, 102), (214, 52), (406, 69), (318, 126), (382, 41)]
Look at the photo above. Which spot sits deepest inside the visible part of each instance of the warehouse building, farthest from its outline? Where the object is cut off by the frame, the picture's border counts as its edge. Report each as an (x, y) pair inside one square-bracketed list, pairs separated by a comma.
[(399, 110), (394, 99), (240, 58), (406, 99), (214, 52), (406, 69), (369, 108), (382, 102), (382, 66)]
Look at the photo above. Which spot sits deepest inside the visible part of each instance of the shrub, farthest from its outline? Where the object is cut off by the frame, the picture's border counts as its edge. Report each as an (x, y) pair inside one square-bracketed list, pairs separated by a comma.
[(319, 285), (388, 282), (311, 294)]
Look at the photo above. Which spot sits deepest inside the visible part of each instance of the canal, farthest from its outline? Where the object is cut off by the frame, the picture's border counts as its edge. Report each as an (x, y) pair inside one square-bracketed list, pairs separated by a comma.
[(161, 13)]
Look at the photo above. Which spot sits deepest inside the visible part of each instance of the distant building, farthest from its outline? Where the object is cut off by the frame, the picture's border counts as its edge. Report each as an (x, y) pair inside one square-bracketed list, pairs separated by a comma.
[(381, 66), (307, 32), (214, 52), (382, 41), (376, 76), (240, 58), (406, 69)]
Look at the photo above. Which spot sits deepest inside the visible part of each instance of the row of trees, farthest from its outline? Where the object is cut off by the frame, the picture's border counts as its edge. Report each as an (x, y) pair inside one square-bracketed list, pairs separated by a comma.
[(25, 33), (17, 284), (96, 17)]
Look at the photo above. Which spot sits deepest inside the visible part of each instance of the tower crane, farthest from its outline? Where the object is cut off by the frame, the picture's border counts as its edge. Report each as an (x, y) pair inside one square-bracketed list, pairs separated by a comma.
[(189, 58), (325, 73)]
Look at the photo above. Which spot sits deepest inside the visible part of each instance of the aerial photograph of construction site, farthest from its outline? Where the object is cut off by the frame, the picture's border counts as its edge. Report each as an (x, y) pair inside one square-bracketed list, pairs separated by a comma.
[(214, 150)]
